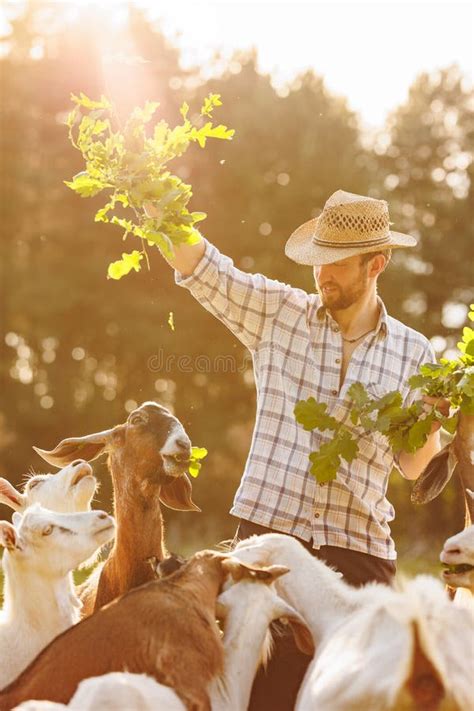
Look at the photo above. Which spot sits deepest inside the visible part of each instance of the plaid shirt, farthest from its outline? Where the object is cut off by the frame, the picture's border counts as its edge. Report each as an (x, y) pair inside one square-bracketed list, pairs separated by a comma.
[(296, 348)]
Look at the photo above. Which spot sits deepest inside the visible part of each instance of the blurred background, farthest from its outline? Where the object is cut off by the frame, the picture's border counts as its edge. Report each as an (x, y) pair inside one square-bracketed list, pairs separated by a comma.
[(374, 98)]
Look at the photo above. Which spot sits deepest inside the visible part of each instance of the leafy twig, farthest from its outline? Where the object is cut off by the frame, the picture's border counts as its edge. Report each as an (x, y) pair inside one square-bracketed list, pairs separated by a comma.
[(132, 166), (406, 428)]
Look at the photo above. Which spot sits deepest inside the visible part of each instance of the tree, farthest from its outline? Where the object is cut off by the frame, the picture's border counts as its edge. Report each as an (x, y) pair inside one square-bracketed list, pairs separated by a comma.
[(426, 160)]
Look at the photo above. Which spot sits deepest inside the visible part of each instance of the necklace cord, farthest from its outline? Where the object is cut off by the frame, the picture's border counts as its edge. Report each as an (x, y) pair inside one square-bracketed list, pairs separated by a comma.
[(353, 340)]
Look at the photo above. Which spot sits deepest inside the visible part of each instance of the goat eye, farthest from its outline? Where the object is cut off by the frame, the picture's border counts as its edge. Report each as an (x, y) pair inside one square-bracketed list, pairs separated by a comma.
[(33, 482), (136, 420), (47, 530)]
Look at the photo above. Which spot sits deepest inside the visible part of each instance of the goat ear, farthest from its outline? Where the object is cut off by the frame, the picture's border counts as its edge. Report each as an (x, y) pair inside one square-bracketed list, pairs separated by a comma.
[(221, 610), (8, 536), (239, 571), (276, 571), (18, 517), (88, 448), (470, 494), (303, 637), (233, 567), (10, 496), (177, 495), (435, 476)]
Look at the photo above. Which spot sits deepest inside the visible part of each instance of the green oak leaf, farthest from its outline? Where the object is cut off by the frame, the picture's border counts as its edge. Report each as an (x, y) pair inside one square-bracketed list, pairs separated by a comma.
[(326, 462), (84, 185), (312, 414), (125, 265), (358, 394), (450, 423), (348, 447), (209, 103), (419, 432), (391, 399), (87, 103)]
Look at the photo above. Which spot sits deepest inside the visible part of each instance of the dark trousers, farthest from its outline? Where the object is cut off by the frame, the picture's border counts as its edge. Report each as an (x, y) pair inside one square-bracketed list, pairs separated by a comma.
[(276, 688)]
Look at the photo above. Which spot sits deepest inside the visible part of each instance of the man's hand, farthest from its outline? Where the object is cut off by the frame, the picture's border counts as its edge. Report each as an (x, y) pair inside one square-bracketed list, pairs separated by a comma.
[(186, 256), (439, 404), (411, 465), (152, 210)]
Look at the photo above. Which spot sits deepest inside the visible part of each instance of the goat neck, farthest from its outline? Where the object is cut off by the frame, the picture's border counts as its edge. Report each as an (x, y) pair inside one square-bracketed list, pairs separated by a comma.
[(246, 627), (202, 577), (317, 592), (36, 609), (139, 536), (34, 598)]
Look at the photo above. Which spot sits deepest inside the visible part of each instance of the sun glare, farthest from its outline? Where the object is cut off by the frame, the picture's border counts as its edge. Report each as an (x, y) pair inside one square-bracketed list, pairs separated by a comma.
[(351, 43)]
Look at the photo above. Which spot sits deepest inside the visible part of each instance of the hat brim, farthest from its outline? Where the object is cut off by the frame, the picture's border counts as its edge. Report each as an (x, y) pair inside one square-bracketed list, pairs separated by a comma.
[(302, 250)]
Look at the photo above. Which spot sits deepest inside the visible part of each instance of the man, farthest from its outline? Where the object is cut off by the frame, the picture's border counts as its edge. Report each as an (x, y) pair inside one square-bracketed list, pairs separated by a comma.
[(318, 344)]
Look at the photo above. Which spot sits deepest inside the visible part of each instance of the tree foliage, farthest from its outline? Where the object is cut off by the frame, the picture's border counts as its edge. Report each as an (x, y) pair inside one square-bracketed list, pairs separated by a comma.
[(425, 161)]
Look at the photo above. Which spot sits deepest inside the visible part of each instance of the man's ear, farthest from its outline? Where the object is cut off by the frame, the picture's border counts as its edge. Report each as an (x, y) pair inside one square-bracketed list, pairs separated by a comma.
[(377, 265)]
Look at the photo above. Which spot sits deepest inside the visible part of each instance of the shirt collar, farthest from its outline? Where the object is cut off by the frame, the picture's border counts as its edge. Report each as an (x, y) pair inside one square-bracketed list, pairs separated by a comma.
[(381, 329)]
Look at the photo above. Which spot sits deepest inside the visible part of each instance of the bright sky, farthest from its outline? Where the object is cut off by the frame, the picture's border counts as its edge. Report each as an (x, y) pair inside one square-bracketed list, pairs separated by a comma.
[(367, 51)]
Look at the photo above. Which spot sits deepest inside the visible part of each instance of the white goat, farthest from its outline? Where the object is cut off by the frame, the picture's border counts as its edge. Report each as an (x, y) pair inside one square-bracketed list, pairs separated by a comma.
[(360, 632), (116, 691), (70, 489), (408, 649), (247, 609), (41, 549), (458, 556)]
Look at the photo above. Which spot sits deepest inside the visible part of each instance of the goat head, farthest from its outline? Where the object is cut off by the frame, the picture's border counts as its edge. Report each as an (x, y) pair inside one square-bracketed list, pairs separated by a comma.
[(152, 444)]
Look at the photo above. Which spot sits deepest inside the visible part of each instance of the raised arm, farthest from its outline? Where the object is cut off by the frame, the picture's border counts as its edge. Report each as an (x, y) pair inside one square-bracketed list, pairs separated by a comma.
[(245, 303)]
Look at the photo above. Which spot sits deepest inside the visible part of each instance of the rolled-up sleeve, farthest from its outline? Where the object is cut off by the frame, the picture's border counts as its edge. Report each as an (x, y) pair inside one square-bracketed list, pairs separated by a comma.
[(245, 303)]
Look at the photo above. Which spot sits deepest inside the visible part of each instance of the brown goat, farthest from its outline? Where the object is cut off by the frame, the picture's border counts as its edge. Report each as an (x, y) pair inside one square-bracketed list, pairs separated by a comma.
[(148, 459), (166, 629)]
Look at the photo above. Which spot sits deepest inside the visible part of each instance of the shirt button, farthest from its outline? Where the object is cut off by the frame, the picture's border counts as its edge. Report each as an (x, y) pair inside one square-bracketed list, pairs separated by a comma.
[(338, 360), (322, 483), (335, 329), (333, 392), (316, 515)]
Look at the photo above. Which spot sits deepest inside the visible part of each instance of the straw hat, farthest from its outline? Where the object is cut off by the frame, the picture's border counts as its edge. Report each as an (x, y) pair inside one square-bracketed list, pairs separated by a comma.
[(349, 224)]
